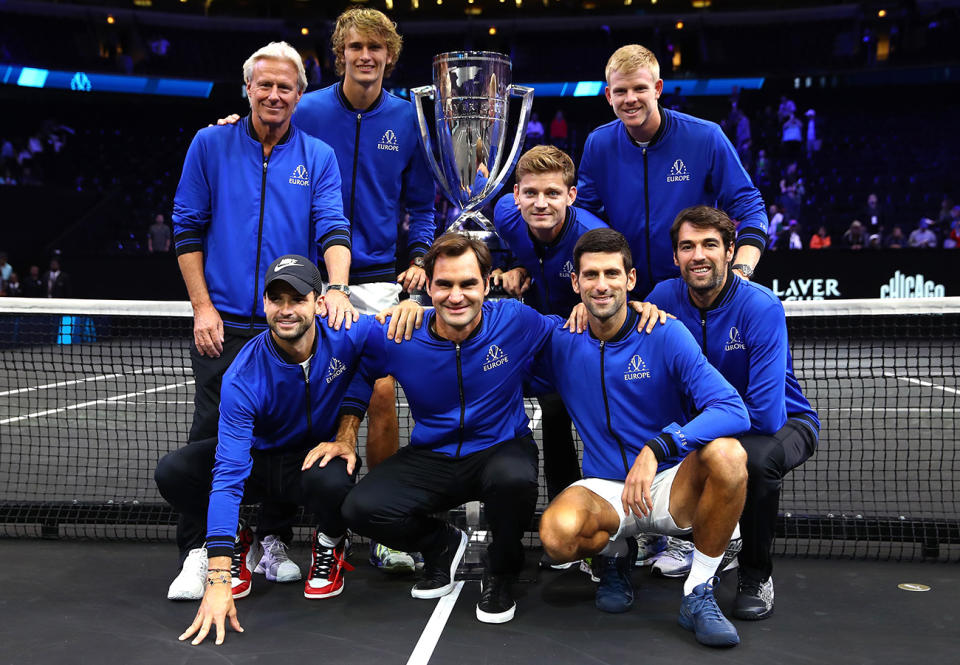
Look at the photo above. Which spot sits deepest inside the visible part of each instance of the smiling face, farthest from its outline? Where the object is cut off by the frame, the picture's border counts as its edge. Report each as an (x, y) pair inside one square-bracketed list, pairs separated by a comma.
[(273, 93), (290, 315), (702, 258), (457, 289), (365, 58), (603, 284), (543, 199), (633, 96)]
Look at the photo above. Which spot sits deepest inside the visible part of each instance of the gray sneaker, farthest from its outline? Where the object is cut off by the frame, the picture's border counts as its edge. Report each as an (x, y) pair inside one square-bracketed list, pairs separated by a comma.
[(754, 599)]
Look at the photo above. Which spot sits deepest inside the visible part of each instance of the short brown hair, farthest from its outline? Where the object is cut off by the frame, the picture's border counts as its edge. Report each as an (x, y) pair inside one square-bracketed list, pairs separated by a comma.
[(457, 244), (602, 241), (628, 59), (704, 217), (366, 22), (547, 159)]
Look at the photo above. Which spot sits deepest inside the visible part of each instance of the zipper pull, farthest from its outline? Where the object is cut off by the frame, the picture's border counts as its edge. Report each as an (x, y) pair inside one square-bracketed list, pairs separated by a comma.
[(359, 115), (264, 165)]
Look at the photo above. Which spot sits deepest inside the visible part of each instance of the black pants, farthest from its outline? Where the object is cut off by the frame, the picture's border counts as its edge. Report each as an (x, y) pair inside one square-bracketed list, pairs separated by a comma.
[(561, 467), (184, 477), (394, 502), (769, 459)]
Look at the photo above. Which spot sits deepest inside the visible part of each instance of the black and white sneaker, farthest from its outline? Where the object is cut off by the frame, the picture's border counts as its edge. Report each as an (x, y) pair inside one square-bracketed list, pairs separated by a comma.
[(440, 567), (754, 599), (496, 603)]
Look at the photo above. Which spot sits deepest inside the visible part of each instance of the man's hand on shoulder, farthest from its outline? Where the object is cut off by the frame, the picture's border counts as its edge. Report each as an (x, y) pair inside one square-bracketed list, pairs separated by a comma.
[(650, 314), (404, 319), (577, 321), (231, 119), (337, 309)]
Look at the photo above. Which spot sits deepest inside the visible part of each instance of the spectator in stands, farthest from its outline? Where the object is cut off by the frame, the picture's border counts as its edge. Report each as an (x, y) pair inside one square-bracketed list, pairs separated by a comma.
[(791, 137), (535, 132), (763, 171), (33, 286), (11, 287), (5, 268), (776, 219), (953, 217), (811, 135), (158, 236), (56, 281), (873, 242), (786, 110), (559, 130), (820, 239), (944, 217), (952, 241), (896, 239), (923, 236), (854, 237), (790, 237), (874, 215)]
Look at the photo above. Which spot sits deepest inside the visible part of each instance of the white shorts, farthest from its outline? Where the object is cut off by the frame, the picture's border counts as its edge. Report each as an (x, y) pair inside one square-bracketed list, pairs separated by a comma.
[(658, 521), (373, 298)]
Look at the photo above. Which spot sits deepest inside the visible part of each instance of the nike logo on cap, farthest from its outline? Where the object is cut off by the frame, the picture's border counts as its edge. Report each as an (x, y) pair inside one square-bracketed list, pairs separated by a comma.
[(285, 263)]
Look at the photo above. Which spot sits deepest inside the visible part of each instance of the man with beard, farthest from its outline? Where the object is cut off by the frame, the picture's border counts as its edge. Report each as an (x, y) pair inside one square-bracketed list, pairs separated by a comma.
[(744, 333), (653, 468), (280, 397)]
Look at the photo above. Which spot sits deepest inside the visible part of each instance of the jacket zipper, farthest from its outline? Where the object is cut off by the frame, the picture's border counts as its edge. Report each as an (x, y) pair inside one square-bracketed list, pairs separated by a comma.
[(546, 286), (256, 272), (703, 329), (646, 208), (356, 159), (306, 383), (463, 406), (606, 408)]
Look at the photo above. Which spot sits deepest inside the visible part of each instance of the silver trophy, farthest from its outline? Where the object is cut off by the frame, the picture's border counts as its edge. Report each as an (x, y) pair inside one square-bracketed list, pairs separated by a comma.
[(471, 92)]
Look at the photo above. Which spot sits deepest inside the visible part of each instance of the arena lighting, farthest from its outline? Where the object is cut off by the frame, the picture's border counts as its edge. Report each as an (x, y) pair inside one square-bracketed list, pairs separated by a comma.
[(882, 13), (700, 4), (492, 31), (679, 25), (389, 4), (30, 77), (439, 2), (627, 3), (709, 87), (110, 19), (415, 4), (304, 31)]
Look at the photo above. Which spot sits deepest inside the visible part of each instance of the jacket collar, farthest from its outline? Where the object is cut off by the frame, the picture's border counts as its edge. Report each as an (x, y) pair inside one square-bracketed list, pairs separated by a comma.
[(253, 135), (629, 324), (431, 330), (346, 102), (283, 355), (726, 293), (661, 130)]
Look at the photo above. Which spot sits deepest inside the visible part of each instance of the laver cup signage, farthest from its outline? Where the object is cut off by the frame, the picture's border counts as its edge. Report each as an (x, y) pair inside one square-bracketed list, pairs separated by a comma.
[(835, 274)]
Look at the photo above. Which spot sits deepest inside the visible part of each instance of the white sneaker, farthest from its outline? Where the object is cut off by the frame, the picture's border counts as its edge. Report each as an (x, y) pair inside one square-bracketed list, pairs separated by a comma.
[(191, 582), (676, 560), (275, 564)]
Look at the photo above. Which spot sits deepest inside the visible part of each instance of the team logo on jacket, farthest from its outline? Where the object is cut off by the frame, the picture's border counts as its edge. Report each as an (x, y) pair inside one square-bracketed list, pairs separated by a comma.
[(566, 269), (335, 369), (388, 141), (678, 172), (495, 358), (300, 176), (636, 369), (734, 343)]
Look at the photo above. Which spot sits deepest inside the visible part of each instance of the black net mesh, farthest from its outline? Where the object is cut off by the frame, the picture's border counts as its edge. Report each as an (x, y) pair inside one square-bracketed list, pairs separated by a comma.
[(91, 399)]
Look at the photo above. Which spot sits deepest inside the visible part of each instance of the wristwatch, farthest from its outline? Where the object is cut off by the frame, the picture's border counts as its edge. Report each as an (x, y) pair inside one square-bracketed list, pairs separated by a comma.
[(342, 288), (417, 261), (744, 268)]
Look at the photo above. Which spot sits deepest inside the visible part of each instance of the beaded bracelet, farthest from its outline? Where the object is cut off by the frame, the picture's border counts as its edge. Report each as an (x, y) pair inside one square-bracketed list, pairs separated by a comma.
[(218, 570), (223, 579)]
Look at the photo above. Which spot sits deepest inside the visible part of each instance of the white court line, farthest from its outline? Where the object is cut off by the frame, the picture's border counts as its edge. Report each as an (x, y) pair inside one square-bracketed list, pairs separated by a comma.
[(431, 633), (925, 384), (82, 405), (99, 377)]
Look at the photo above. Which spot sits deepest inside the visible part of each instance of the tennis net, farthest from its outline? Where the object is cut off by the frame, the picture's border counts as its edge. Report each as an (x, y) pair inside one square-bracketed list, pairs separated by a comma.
[(92, 394)]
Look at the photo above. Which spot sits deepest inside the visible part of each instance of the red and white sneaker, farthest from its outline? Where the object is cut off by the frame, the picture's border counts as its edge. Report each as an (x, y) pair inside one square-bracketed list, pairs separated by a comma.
[(246, 556), (326, 569)]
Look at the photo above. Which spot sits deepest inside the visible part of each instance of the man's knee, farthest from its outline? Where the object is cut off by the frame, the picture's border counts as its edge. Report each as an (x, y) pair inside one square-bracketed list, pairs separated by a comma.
[(725, 459), (179, 467), (511, 474), (331, 482), (560, 528)]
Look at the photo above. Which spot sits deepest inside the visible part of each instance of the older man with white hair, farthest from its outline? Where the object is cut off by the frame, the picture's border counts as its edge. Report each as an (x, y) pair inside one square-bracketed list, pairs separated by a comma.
[(250, 192)]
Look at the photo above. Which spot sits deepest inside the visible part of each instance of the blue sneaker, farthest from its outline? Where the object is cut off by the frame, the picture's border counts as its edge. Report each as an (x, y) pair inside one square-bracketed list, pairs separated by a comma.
[(615, 591), (699, 612)]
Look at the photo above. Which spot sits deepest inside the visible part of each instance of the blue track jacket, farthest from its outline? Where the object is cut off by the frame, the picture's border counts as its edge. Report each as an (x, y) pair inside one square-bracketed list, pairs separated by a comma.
[(269, 403), (744, 335), (550, 265), (639, 389), (463, 397), (641, 189), (243, 211), (384, 173)]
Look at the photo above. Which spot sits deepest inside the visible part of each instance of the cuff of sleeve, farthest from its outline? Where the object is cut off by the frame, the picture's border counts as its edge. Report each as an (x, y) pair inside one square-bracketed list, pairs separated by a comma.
[(417, 249), (338, 237), (219, 550), (187, 242), (753, 238), (663, 447), (352, 410)]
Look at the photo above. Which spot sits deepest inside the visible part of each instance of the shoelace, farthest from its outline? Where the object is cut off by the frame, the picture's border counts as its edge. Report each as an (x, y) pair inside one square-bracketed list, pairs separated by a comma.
[(278, 549), (239, 558), (706, 605), (326, 559)]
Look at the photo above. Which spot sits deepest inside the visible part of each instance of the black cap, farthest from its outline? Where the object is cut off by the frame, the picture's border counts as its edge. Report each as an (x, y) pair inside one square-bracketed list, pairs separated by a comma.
[(297, 271)]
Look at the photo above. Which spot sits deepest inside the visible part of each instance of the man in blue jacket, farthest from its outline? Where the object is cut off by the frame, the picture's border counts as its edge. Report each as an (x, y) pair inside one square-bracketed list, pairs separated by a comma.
[(384, 176), (649, 464), (462, 374), (743, 332), (283, 435), (640, 169), (540, 226), (257, 189)]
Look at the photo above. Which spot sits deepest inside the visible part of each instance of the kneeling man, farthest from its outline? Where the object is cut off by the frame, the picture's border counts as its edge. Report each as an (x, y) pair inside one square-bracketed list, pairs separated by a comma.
[(648, 465)]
